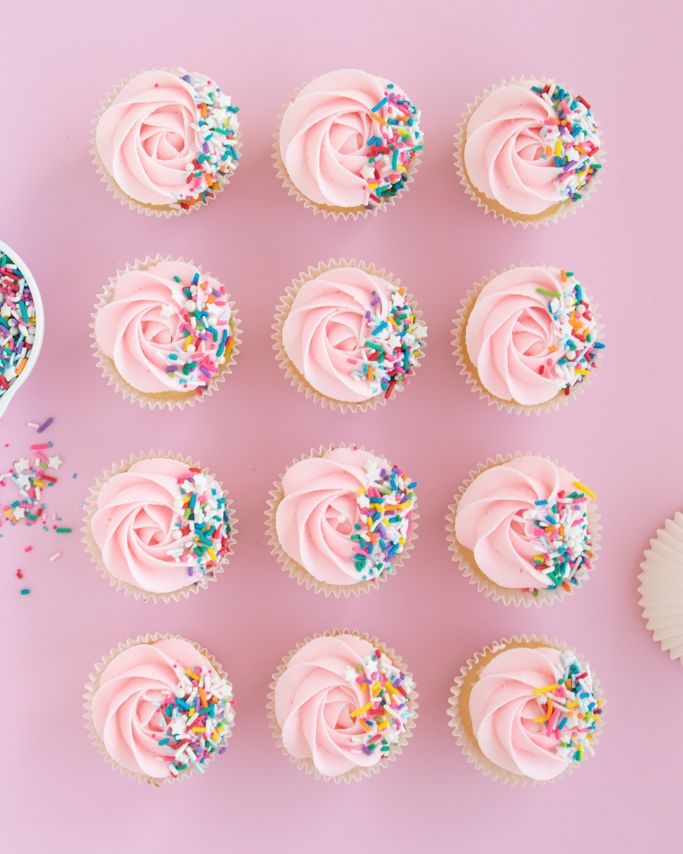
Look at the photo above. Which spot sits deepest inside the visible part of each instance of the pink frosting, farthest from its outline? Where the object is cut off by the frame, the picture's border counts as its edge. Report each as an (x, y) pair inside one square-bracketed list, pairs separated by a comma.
[(325, 331), (134, 525), (503, 708), (314, 701), (125, 706), (503, 150), (511, 335), (143, 327), (489, 520)]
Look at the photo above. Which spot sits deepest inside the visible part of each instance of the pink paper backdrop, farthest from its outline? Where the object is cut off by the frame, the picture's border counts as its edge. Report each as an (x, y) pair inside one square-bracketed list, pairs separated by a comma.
[(622, 436)]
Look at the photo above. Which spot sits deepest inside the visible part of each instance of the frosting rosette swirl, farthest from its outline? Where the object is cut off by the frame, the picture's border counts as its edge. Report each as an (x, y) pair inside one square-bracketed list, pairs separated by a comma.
[(166, 328), (348, 140), (140, 708), (531, 335), (534, 711), (168, 139), (343, 516), (530, 146), (160, 525), (351, 334), (525, 525), (334, 708)]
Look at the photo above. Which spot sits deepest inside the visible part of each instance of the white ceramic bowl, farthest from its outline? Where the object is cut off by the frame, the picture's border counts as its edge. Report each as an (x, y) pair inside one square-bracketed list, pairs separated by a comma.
[(40, 328)]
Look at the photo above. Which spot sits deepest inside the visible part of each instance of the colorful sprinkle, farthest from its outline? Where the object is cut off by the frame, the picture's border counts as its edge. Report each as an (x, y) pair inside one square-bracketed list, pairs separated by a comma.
[(17, 323)]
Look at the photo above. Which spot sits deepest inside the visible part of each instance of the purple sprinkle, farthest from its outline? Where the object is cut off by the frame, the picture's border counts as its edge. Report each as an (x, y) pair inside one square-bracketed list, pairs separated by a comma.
[(45, 425)]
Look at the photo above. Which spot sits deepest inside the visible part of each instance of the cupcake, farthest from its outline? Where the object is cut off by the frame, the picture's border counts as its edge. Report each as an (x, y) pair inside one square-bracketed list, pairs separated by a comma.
[(524, 530), (526, 710), (348, 335), (528, 151), (525, 339), (165, 333), (342, 706), (341, 519), (159, 708), (159, 527), (348, 143), (166, 142)]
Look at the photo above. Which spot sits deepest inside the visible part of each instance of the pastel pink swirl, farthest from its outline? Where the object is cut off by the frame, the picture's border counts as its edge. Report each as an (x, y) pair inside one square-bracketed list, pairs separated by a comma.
[(134, 525), (510, 335), (504, 150), (325, 331), (141, 329), (489, 520), (314, 701), (503, 709), (324, 133), (319, 508), (125, 706)]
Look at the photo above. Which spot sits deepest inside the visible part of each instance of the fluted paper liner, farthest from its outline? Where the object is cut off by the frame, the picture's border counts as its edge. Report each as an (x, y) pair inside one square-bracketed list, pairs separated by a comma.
[(468, 368), (301, 575), (459, 714), (293, 374), (93, 684), (90, 507), (661, 587), (465, 558), (165, 399), (335, 213), (490, 206), (161, 211), (359, 772)]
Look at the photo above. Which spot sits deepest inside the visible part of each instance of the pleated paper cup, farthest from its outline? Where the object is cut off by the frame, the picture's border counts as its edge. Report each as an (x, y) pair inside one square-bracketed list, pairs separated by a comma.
[(359, 772), (464, 557), (93, 684), (460, 719), (161, 211), (301, 575), (468, 368), (293, 374), (661, 587), (167, 399), (129, 589), (330, 211), (490, 206)]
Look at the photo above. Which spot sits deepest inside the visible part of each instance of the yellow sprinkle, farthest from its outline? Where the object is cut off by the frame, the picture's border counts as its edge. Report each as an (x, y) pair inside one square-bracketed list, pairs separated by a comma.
[(362, 710), (584, 488), (545, 689), (197, 729), (546, 716), (192, 674), (581, 371)]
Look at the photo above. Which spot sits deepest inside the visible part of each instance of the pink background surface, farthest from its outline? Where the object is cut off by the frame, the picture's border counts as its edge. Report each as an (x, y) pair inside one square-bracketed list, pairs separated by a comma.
[(622, 436)]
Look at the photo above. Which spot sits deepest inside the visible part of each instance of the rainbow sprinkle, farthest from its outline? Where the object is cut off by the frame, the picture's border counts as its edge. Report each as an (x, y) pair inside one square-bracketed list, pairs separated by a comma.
[(196, 719), (575, 327), (32, 476), (562, 538), (201, 522), (17, 322), (204, 328), (388, 707), (385, 509), (217, 127), (390, 150), (393, 344), (571, 139), (569, 709)]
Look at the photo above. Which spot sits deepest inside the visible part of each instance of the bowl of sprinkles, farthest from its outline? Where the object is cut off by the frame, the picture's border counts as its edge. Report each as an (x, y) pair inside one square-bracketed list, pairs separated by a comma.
[(22, 324)]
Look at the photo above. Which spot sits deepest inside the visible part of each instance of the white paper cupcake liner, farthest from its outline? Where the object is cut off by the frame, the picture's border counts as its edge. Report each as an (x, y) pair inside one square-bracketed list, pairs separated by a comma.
[(301, 575), (490, 206), (513, 596), (160, 400), (292, 373), (93, 684), (326, 211), (359, 772), (661, 587), (160, 211), (469, 371), (460, 721), (90, 506)]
